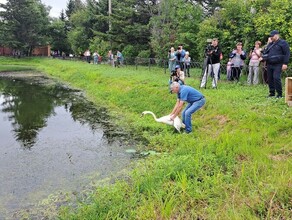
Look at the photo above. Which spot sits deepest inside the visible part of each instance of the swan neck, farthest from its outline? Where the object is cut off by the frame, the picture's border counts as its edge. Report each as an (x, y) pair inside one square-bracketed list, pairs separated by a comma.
[(151, 113)]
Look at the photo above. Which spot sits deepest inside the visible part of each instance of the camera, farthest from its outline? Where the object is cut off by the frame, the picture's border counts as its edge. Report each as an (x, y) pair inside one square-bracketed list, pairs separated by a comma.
[(174, 77), (173, 73), (209, 48)]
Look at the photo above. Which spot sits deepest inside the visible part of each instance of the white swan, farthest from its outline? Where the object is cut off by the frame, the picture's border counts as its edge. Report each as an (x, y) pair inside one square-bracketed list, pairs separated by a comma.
[(177, 123)]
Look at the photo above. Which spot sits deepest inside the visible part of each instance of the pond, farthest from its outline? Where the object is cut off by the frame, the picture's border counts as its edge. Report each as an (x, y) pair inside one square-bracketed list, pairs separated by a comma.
[(51, 139)]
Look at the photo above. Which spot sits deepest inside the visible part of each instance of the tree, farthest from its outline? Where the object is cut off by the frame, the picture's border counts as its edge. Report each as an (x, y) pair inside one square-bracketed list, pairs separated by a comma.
[(273, 15), (176, 22), (209, 6), (246, 21), (129, 22), (77, 38), (58, 36), (73, 6), (25, 23)]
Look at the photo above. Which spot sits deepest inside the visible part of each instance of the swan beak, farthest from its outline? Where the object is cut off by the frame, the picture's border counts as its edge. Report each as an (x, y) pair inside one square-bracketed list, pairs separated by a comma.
[(141, 115)]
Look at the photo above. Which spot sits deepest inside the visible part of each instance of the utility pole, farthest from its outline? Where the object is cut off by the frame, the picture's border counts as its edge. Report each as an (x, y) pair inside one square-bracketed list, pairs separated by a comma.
[(109, 19), (109, 14)]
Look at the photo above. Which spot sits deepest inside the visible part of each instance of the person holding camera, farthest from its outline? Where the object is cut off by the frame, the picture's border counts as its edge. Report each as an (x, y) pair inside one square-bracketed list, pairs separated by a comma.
[(237, 58), (213, 53), (254, 62), (177, 76), (277, 56)]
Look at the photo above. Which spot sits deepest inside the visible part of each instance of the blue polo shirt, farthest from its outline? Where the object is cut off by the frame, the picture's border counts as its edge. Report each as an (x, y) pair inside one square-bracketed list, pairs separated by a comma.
[(189, 94)]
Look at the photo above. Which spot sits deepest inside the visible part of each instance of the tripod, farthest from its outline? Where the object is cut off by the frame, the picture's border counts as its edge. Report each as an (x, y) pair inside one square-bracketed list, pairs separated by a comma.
[(205, 73)]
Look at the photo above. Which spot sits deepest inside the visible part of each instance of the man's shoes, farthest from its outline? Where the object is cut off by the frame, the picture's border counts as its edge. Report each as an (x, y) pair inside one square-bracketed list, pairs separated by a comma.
[(270, 96), (279, 97)]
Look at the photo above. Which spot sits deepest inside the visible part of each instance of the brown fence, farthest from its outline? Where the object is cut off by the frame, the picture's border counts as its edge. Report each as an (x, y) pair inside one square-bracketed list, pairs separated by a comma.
[(38, 51)]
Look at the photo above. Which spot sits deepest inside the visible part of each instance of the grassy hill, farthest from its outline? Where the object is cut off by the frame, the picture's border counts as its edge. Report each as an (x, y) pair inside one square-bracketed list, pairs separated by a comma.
[(235, 165)]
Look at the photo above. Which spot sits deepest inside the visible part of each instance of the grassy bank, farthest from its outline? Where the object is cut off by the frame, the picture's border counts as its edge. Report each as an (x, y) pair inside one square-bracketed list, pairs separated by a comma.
[(235, 165)]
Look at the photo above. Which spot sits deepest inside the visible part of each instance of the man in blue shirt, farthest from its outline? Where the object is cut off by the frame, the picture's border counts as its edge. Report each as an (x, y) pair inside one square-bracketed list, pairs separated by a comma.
[(195, 101), (277, 61)]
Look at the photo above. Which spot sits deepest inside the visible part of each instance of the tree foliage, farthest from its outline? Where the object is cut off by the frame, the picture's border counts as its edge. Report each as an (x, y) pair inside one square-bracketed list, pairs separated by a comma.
[(139, 25), (73, 6), (58, 36), (247, 21), (172, 26), (25, 24)]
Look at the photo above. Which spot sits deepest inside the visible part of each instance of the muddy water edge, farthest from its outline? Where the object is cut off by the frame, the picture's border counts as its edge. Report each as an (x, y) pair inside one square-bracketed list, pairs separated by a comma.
[(54, 145)]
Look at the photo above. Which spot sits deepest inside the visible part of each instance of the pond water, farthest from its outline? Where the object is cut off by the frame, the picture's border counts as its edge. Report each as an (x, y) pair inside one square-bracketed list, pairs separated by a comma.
[(52, 139)]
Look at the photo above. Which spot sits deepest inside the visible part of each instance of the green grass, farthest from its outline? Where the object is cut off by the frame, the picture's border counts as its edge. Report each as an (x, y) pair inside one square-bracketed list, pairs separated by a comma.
[(235, 165), (14, 68)]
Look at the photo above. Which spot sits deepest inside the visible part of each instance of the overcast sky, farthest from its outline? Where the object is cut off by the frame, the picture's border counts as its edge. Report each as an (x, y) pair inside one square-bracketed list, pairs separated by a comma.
[(57, 6)]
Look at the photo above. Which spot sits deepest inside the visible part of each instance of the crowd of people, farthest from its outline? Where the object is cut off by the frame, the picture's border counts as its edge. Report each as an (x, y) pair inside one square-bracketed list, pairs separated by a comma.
[(113, 60), (275, 47), (275, 55)]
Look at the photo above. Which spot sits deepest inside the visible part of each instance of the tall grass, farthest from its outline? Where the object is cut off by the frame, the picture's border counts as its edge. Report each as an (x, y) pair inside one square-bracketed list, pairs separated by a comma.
[(235, 165)]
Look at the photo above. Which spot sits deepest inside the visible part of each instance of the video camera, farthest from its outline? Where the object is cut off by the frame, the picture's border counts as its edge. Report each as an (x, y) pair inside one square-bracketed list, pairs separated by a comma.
[(209, 48)]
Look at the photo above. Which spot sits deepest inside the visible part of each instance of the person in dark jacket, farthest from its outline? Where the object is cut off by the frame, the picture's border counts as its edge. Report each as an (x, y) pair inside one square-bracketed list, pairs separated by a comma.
[(277, 61), (213, 53)]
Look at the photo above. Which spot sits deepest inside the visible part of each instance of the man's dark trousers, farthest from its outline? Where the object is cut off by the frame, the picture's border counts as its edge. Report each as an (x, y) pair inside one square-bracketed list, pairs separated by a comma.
[(274, 78)]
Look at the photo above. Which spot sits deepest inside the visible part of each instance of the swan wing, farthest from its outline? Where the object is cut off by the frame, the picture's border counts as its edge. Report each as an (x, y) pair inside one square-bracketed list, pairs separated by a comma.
[(177, 123), (165, 119)]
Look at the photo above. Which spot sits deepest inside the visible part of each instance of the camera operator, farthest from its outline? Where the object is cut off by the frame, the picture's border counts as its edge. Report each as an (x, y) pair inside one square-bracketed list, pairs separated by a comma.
[(212, 52), (177, 76)]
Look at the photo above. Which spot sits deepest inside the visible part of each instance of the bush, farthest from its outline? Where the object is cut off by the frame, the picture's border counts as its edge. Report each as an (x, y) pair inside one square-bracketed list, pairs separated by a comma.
[(144, 54), (130, 51)]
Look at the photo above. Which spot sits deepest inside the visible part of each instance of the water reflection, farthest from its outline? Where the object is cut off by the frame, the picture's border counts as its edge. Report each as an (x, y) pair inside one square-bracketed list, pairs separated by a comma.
[(28, 107), (52, 138), (29, 104)]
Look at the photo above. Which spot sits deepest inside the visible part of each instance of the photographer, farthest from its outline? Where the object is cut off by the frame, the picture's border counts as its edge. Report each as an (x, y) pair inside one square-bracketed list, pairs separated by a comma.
[(177, 76), (254, 62), (212, 52), (237, 58)]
